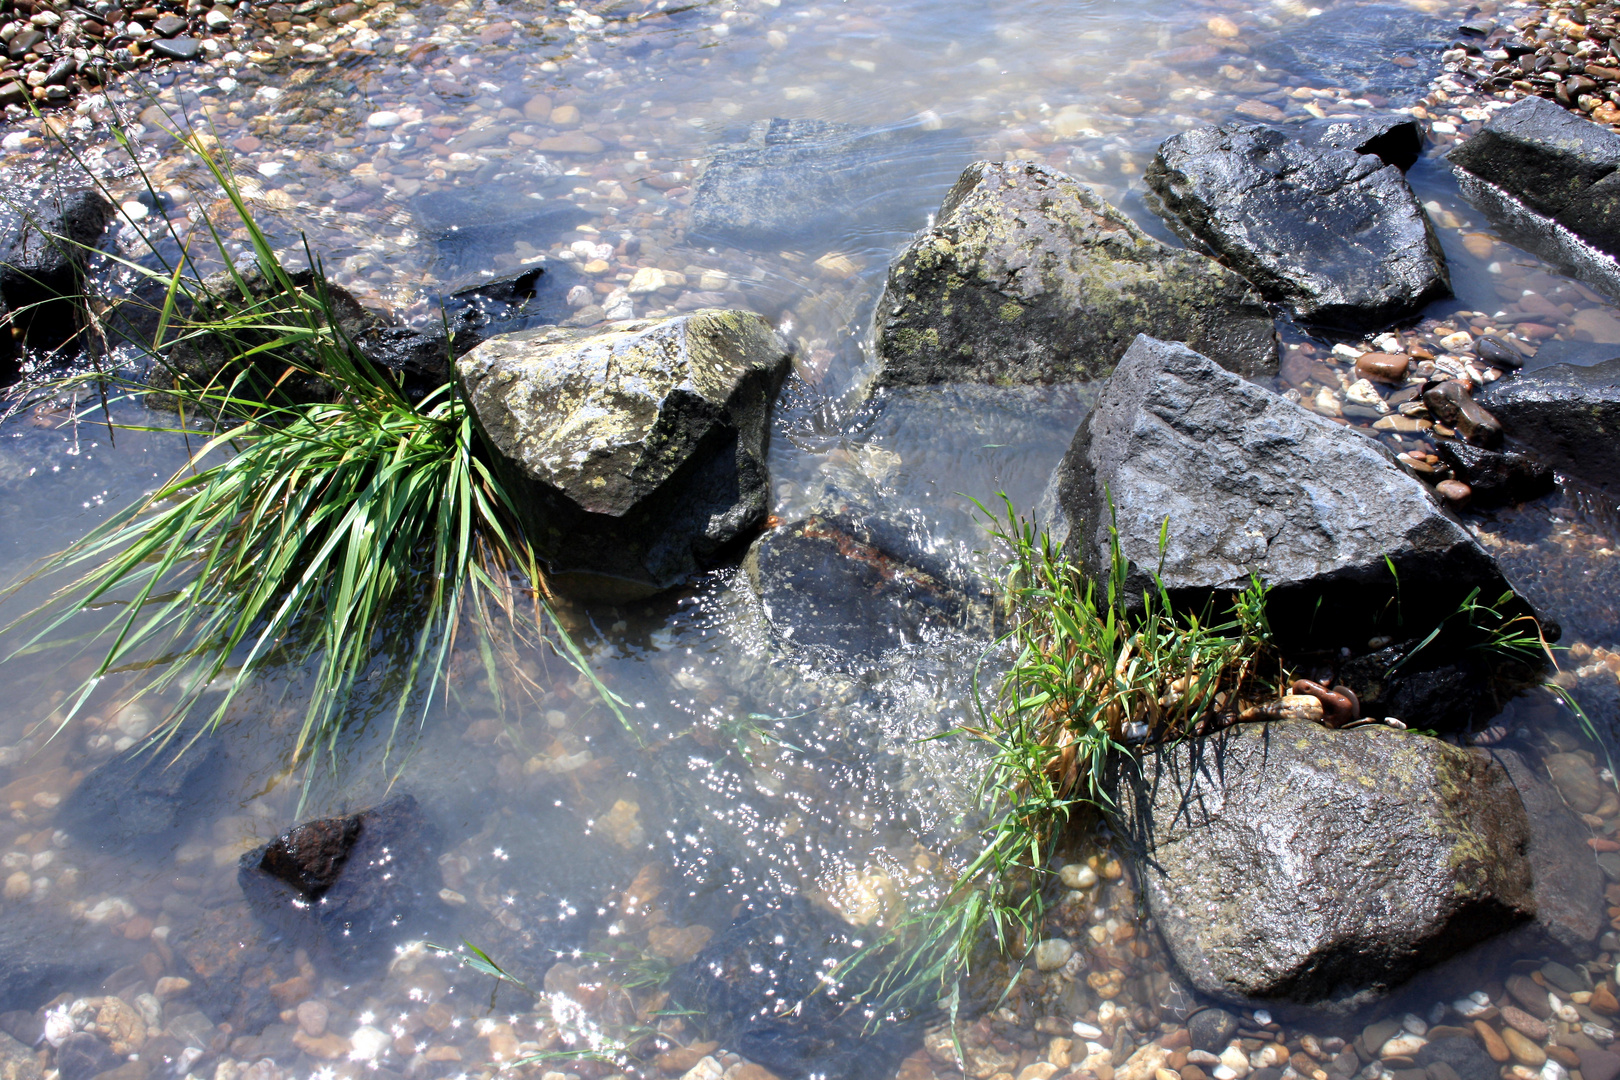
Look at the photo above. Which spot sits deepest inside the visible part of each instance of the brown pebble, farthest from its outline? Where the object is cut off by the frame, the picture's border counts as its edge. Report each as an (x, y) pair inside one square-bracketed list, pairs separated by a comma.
[(1603, 1000), (1494, 1046), (1454, 492), (1383, 367), (1523, 1022), (682, 1058)]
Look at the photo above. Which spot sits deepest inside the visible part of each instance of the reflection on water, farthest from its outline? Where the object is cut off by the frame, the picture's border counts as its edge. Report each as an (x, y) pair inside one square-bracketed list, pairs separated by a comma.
[(772, 808)]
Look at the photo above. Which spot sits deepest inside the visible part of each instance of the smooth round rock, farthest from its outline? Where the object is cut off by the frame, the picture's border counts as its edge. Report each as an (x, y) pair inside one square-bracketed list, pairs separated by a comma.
[(1052, 954)]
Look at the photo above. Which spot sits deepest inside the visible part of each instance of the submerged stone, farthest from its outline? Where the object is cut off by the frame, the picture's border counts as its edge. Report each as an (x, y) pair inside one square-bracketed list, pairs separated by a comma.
[(1029, 277), (1251, 483), (1335, 235), (350, 887), (146, 793), (1569, 416), (1384, 49), (857, 585), (635, 451), (1295, 866), (790, 179)]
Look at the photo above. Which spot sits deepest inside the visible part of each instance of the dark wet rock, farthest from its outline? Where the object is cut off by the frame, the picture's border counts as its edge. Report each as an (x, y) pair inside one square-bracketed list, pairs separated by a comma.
[(535, 297), (179, 48), (1574, 353), (635, 451), (1569, 416), (789, 179), (1336, 236), (146, 793), (1211, 1029), (1385, 49), (42, 276), (349, 887), (777, 953), (1395, 139), (1496, 477), (469, 226), (857, 585), (1029, 277), (1252, 483), (83, 1055), (1556, 162), (1462, 1055), (1450, 403), (42, 954), (1295, 866), (1447, 684), (214, 359), (1568, 884)]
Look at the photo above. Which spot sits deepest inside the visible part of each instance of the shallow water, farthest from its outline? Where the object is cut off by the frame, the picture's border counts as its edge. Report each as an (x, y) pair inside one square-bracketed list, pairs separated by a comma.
[(752, 773)]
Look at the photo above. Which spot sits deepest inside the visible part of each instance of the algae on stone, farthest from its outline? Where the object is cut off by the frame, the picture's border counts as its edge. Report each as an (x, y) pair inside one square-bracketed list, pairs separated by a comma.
[(1029, 277)]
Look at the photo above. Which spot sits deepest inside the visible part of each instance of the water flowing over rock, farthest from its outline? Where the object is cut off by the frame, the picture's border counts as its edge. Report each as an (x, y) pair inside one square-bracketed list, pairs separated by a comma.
[(1556, 162), (1570, 417), (635, 451), (1251, 483), (1336, 236), (42, 953), (1568, 883), (349, 887), (43, 270), (1029, 277), (1300, 867), (1387, 49), (856, 585), (788, 179)]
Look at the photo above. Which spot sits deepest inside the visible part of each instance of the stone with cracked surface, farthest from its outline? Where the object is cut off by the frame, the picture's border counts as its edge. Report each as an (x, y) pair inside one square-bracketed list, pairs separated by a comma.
[(635, 450), (1029, 277)]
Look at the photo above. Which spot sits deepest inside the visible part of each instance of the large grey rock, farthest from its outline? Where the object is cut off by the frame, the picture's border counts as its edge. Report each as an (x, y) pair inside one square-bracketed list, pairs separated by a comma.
[(147, 793), (857, 585), (636, 450), (1556, 162), (1570, 416), (1251, 483), (1335, 235), (787, 180), (1304, 868), (1029, 277)]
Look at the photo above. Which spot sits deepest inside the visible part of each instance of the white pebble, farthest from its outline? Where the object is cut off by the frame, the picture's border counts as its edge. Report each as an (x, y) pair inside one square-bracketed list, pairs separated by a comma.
[(1262, 1017), (134, 210), (369, 1043), (1415, 1024), (1077, 876), (1052, 954), (1087, 1031), (384, 120)]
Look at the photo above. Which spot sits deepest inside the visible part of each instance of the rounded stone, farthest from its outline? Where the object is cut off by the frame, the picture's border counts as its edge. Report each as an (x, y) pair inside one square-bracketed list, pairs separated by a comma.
[(1052, 954)]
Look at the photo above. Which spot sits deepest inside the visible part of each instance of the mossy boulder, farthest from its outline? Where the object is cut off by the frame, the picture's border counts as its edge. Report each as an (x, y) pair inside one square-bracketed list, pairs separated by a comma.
[(635, 450), (1029, 277), (1308, 869)]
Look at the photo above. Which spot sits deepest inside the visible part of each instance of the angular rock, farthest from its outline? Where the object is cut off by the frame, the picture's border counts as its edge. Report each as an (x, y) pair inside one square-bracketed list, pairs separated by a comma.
[(42, 276), (784, 179), (636, 451), (1556, 162), (856, 585), (1336, 236), (349, 887), (470, 227), (1029, 277), (1452, 405), (83, 1055), (1394, 139), (1496, 477), (1252, 483), (1295, 866), (1446, 684), (1569, 416), (145, 794)]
